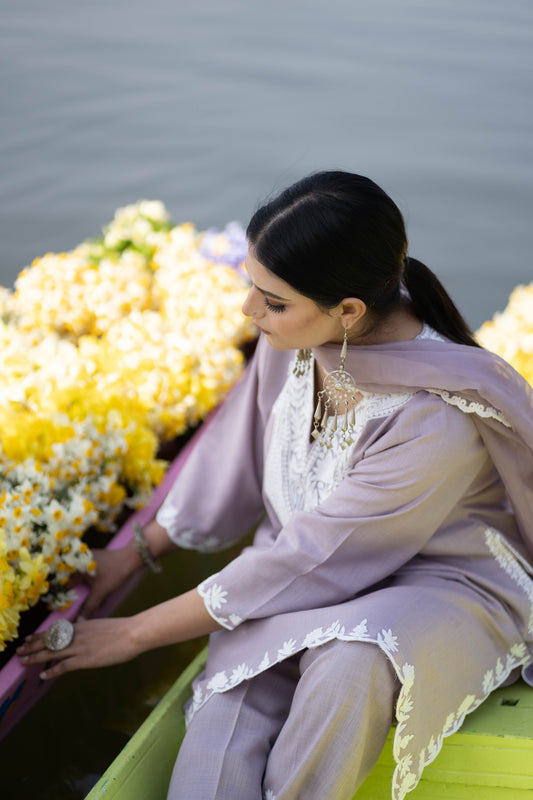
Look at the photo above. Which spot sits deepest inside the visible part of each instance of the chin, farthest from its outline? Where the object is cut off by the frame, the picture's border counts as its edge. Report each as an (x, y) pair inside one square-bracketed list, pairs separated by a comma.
[(276, 345)]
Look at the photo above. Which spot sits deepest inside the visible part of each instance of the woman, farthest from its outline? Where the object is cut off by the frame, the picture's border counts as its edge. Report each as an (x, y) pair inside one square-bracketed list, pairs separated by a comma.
[(386, 464)]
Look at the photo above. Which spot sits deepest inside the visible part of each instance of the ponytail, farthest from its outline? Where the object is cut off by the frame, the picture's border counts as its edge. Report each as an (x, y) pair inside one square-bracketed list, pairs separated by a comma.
[(432, 303)]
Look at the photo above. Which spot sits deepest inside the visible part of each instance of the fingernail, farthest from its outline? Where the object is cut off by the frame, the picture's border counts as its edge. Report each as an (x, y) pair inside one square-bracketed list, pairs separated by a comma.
[(43, 676), (24, 659), (81, 617)]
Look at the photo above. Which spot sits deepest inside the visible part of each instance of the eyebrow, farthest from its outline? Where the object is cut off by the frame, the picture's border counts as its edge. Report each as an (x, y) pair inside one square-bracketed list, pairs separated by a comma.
[(270, 294), (267, 294)]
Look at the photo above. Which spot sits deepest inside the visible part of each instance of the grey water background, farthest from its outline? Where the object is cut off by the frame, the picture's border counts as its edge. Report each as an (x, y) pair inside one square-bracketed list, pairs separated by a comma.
[(210, 106)]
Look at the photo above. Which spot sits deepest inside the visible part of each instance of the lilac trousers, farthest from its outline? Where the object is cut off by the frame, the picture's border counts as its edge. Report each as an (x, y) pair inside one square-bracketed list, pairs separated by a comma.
[(309, 728)]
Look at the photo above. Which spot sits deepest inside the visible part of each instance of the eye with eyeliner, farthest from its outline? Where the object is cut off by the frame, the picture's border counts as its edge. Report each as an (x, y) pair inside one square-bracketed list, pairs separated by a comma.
[(272, 307)]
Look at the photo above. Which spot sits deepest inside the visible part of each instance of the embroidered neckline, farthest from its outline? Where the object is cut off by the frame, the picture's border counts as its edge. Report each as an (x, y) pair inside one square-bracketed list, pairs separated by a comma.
[(299, 474)]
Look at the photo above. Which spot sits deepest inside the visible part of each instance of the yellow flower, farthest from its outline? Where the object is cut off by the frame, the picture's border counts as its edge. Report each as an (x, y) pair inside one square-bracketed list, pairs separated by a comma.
[(510, 333)]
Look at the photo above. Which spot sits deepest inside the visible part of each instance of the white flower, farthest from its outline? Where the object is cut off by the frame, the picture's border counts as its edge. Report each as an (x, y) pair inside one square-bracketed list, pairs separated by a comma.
[(216, 596), (488, 681), (467, 705), (265, 663), (314, 638), (519, 650), (197, 695), (240, 673), (401, 742), (408, 675), (218, 682), (287, 648), (360, 630), (500, 671), (388, 641), (335, 629)]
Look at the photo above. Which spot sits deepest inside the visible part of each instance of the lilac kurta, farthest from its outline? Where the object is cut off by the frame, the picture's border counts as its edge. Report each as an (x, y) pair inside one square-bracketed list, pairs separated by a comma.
[(407, 538)]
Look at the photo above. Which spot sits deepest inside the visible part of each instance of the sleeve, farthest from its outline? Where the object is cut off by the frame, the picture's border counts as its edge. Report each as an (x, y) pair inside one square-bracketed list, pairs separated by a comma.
[(216, 499), (382, 514)]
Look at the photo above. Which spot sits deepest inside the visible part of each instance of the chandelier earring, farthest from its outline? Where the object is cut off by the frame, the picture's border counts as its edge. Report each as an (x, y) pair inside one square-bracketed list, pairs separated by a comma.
[(338, 399), (302, 364)]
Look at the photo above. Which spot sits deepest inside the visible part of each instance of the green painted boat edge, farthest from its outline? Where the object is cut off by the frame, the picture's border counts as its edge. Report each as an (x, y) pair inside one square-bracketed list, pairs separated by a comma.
[(158, 740), (489, 758)]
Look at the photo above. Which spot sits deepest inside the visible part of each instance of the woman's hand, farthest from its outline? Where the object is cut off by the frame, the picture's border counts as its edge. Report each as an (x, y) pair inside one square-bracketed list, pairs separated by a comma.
[(102, 642), (96, 643), (113, 568)]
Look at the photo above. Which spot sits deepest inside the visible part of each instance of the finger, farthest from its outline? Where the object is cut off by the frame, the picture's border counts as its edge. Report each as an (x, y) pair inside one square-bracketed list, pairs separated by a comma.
[(44, 654), (60, 668), (32, 644)]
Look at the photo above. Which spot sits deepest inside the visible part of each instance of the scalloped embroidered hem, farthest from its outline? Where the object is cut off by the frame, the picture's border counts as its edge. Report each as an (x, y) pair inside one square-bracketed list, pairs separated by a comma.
[(409, 765), (470, 407)]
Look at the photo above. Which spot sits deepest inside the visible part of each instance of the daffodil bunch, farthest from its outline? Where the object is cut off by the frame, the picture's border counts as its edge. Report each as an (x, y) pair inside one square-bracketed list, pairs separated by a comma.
[(68, 294), (510, 332), (201, 297), (73, 481), (136, 228), (106, 351), (23, 580)]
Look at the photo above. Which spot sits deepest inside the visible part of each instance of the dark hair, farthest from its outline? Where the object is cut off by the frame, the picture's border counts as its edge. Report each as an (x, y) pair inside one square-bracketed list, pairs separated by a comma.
[(335, 234)]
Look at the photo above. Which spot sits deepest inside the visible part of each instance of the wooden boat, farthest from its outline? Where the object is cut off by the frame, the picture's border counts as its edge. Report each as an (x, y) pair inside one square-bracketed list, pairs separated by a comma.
[(490, 758)]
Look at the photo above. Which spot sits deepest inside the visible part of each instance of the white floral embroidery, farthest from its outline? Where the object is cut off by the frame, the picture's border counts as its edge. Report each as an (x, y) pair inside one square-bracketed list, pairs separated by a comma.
[(265, 663), (240, 673), (269, 795), (514, 565), (287, 649), (471, 407), (409, 764), (300, 476), (191, 539), (387, 641), (315, 638), (406, 776), (214, 597), (360, 631), (218, 682)]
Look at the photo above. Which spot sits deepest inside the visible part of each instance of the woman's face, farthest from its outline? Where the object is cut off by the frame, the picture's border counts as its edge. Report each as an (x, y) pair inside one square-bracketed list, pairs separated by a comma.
[(288, 319)]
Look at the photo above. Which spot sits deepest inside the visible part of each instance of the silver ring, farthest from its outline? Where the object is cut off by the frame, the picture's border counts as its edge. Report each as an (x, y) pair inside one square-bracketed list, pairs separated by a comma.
[(59, 635)]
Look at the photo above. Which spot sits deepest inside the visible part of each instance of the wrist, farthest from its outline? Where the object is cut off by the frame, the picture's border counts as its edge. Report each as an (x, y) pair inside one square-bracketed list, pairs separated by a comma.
[(132, 560), (142, 548)]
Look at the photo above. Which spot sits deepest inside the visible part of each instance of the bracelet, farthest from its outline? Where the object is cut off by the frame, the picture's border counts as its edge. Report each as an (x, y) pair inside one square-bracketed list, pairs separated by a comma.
[(140, 545)]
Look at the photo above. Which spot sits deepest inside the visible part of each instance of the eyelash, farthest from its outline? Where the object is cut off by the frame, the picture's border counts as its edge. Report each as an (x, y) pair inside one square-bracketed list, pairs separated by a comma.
[(272, 307)]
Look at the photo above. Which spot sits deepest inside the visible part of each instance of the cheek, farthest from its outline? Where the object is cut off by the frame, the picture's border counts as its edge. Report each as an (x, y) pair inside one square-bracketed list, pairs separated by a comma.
[(307, 321)]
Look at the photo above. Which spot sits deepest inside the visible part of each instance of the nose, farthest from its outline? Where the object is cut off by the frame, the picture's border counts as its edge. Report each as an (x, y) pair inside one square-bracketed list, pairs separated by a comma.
[(253, 304)]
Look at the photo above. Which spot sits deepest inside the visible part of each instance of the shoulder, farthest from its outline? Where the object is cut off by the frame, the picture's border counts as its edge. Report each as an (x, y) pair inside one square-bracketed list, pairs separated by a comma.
[(427, 416)]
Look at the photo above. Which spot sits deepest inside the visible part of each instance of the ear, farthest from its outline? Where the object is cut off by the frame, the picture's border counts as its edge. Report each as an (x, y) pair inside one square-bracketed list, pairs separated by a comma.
[(351, 311)]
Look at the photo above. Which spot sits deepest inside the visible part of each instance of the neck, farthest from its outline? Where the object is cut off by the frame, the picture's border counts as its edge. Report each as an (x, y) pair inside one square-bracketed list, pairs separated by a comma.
[(399, 326)]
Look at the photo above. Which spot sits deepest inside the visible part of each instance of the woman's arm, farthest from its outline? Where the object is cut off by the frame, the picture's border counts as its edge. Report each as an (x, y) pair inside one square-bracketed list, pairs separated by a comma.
[(114, 567), (102, 642)]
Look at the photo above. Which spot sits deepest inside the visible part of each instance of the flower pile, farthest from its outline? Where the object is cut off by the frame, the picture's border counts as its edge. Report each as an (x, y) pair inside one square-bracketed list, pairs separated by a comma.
[(510, 332), (106, 351)]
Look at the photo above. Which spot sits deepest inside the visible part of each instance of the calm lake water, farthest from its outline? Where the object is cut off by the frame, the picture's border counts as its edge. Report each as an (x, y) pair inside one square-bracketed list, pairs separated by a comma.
[(210, 106)]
